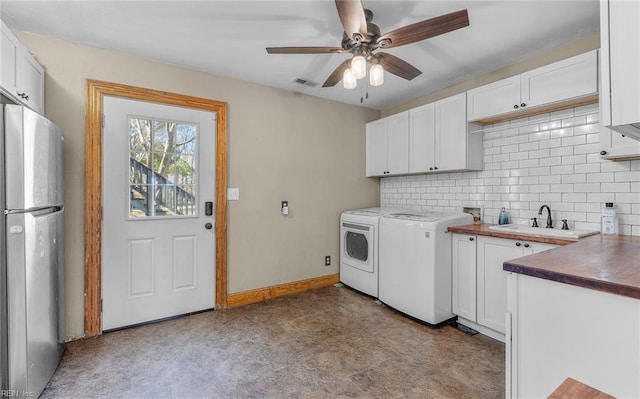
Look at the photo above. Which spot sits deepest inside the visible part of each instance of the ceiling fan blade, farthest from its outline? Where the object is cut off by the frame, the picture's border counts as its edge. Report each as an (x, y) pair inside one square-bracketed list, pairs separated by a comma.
[(336, 75), (425, 29), (397, 66), (304, 50), (352, 17)]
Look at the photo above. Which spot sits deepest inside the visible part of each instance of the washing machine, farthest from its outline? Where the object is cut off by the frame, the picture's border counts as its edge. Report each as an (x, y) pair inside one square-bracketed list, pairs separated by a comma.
[(415, 263), (359, 248)]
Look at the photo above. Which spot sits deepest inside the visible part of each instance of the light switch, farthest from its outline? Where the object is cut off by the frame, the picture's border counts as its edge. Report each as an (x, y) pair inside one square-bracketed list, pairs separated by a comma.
[(233, 194)]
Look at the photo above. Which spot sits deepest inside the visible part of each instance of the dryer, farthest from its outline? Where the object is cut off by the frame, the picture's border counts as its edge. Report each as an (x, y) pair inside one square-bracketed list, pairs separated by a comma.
[(359, 248), (415, 263)]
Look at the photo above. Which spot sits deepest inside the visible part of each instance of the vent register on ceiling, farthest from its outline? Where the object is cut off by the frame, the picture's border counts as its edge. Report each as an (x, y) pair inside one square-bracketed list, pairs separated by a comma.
[(362, 39)]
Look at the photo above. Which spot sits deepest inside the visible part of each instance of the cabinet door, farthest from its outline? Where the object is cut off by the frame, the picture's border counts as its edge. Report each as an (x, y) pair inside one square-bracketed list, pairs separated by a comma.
[(493, 99), (464, 276), (492, 280), (573, 77), (612, 144), (31, 80), (10, 49), (451, 133), (398, 143), (422, 127), (624, 56), (377, 148)]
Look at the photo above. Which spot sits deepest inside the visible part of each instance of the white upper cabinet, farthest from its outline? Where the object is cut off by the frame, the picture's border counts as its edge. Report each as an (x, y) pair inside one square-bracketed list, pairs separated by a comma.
[(619, 76), (439, 139), (388, 145), (563, 80), (10, 48), (456, 149), (496, 98), (566, 83), (422, 137), (22, 77)]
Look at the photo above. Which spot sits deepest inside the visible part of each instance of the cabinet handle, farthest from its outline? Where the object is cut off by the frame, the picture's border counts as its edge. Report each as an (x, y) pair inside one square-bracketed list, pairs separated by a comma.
[(518, 244), (515, 106), (526, 245), (470, 238), (435, 168), (431, 168), (523, 105), (603, 152)]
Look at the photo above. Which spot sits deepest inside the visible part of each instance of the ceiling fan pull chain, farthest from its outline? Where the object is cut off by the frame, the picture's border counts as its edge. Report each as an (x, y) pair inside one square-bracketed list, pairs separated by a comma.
[(361, 99)]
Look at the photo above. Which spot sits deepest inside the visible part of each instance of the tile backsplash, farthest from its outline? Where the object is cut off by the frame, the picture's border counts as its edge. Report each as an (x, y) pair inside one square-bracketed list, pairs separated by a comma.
[(550, 159)]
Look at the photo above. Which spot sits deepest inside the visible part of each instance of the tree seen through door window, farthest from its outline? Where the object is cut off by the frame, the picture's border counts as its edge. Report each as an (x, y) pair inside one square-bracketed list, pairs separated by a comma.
[(162, 170)]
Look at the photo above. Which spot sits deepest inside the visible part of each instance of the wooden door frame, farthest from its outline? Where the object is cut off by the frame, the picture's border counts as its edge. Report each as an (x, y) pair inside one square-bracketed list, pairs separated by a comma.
[(96, 90)]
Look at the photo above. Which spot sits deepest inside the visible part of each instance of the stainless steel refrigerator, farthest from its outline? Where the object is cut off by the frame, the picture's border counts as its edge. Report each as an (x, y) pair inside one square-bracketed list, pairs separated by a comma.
[(32, 250)]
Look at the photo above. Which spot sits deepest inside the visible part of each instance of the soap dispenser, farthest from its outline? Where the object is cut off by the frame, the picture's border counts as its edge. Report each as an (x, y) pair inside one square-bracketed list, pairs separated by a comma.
[(609, 219), (503, 218)]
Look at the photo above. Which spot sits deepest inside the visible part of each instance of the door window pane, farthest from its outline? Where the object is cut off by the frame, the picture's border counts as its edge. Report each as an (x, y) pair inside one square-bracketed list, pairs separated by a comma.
[(162, 168)]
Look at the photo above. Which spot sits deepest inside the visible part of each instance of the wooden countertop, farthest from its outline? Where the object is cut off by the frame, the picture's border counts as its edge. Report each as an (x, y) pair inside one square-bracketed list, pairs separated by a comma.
[(600, 262), (572, 389), (482, 229)]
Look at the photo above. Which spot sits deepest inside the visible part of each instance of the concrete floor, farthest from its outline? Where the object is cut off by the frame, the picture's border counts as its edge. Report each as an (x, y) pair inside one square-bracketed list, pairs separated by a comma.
[(327, 343)]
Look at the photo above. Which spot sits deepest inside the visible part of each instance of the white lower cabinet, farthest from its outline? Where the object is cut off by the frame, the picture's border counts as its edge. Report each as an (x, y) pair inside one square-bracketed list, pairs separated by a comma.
[(559, 330), (463, 259), (479, 282)]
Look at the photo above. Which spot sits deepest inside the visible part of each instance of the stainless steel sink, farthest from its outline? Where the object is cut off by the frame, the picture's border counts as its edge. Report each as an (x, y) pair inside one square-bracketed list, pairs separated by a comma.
[(521, 228)]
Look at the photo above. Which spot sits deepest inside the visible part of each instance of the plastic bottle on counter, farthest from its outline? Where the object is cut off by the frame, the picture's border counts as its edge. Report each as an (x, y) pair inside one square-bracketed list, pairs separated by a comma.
[(609, 219), (503, 218)]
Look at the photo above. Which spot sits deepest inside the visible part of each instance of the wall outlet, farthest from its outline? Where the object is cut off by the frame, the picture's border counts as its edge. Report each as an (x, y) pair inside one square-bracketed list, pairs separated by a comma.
[(327, 260), (233, 194)]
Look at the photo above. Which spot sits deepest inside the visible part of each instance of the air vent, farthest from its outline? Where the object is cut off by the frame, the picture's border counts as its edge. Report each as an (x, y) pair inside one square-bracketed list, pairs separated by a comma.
[(305, 82)]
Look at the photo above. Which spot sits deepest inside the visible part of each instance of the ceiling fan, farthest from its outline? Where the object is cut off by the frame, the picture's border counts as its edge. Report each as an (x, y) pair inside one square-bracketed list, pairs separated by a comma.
[(362, 37)]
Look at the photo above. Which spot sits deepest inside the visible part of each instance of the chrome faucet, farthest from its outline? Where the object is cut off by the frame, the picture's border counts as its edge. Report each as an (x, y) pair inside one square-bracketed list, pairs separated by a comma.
[(549, 221)]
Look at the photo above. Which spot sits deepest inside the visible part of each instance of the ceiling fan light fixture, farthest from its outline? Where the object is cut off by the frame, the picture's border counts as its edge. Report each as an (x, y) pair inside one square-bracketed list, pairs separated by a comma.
[(348, 80), (359, 66), (376, 75)]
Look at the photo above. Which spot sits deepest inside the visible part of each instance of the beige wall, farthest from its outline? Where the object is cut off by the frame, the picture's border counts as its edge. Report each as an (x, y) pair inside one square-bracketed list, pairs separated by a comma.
[(282, 146), (548, 57)]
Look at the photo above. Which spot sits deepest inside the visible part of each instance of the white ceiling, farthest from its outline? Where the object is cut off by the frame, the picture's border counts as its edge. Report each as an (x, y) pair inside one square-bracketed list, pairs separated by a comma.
[(228, 38)]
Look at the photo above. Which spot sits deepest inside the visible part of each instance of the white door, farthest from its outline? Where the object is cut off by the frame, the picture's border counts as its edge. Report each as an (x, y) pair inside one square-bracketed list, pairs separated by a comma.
[(422, 131), (158, 253), (398, 143), (451, 133), (493, 99), (377, 147), (492, 279), (464, 276)]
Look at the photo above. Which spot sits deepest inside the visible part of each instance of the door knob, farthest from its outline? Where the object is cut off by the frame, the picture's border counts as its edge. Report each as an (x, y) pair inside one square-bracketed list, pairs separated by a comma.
[(208, 226)]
